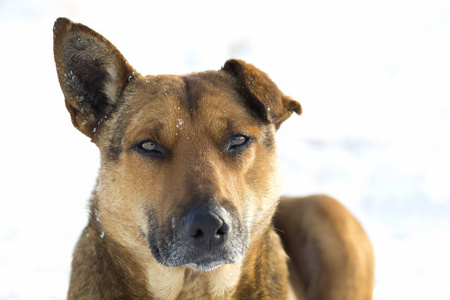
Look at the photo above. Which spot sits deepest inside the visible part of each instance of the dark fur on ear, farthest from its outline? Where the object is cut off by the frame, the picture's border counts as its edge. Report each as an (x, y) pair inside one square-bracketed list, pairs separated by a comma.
[(261, 93), (91, 71)]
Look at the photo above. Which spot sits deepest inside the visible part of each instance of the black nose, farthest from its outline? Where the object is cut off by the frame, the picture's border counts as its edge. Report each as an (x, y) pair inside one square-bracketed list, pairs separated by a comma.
[(206, 227)]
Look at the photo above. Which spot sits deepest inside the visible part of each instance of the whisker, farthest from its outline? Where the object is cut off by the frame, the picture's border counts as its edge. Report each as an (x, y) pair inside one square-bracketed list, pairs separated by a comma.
[(276, 229)]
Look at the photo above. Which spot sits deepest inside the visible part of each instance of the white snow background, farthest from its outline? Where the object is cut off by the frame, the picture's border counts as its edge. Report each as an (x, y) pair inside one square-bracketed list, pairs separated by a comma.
[(373, 78)]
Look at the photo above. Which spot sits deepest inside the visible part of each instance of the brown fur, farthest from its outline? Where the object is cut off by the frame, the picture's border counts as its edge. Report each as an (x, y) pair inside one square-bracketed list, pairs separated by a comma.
[(134, 246)]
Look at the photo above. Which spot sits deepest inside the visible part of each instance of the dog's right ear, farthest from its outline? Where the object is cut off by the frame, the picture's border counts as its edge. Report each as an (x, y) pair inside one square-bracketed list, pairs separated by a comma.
[(91, 71)]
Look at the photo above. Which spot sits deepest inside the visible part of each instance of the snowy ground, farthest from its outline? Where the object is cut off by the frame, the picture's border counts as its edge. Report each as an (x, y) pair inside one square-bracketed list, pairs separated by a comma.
[(373, 79)]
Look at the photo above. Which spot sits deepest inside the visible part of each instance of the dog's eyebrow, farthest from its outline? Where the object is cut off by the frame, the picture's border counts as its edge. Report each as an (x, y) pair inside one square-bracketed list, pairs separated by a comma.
[(155, 131)]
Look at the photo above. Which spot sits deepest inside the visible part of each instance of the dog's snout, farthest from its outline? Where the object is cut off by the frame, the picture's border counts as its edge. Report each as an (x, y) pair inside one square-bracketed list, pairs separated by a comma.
[(206, 227)]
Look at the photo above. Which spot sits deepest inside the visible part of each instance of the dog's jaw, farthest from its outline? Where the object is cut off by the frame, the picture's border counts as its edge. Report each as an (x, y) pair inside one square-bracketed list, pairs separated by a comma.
[(180, 282), (237, 259), (205, 263), (206, 267)]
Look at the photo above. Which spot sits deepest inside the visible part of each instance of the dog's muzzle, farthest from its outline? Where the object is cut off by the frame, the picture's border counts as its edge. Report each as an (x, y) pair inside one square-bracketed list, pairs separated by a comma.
[(204, 238)]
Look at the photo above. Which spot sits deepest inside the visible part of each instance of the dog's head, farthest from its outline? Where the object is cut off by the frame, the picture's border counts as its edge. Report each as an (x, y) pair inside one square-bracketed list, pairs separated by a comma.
[(187, 162)]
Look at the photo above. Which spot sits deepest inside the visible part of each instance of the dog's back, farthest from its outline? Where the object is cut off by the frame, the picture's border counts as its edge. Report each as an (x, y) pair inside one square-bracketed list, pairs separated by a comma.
[(331, 257)]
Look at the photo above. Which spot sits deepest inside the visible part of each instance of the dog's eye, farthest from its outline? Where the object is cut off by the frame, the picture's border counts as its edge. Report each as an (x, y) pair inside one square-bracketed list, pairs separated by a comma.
[(150, 148), (237, 142)]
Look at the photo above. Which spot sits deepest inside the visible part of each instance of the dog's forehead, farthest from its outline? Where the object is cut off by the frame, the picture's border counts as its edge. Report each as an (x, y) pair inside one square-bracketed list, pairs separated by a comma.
[(172, 103)]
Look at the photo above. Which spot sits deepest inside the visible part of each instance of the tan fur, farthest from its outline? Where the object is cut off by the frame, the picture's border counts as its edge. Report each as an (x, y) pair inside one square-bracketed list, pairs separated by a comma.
[(322, 237), (136, 246)]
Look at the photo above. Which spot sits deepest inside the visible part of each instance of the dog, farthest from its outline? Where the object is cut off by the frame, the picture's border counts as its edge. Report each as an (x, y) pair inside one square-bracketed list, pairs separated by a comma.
[(187, 203)]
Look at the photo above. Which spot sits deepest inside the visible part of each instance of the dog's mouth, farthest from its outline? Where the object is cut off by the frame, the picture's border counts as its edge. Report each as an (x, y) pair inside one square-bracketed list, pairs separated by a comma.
[(206, 267), (182, 255), (203, 239)]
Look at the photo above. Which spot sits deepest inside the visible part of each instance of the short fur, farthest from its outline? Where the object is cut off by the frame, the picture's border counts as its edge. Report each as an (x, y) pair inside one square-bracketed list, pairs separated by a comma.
[(176, 147)]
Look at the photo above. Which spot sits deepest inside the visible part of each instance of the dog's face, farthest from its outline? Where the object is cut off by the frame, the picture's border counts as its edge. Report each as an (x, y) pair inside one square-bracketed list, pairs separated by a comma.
[(188, 163)]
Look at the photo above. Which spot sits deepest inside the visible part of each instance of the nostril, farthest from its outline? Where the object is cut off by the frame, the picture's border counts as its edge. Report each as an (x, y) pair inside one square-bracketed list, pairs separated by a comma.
[(198, 234), (223, 230)]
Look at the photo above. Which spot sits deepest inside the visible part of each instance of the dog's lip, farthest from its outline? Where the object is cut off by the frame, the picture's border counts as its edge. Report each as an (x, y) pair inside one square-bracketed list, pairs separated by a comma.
[(206, 267), (203, 263), (209, 263)]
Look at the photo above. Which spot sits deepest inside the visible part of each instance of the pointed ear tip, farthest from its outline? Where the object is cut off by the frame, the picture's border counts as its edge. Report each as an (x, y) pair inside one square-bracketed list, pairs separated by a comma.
[(61, 20), (61, 26), (61, 23)]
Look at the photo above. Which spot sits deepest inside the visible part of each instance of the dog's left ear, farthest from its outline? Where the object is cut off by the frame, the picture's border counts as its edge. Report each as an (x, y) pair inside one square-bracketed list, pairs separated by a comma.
[(261, 93), (91, 71)]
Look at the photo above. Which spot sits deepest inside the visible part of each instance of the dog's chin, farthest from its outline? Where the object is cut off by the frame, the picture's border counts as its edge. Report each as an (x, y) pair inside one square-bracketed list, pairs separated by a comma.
[(206, 267), (206, 262), (200, 265)]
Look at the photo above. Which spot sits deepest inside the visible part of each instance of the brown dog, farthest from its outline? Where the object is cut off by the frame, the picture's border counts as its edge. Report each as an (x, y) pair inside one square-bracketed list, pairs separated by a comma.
[(188, 187)]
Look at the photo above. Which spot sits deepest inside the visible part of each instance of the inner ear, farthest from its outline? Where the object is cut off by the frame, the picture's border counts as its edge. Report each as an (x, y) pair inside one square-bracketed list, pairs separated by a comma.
[(88, 81), (91, 71)]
